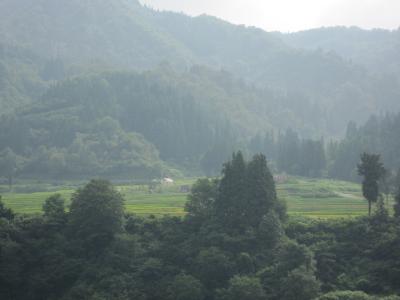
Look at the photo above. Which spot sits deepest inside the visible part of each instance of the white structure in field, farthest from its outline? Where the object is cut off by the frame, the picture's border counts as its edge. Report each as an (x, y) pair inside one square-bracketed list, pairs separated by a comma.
[(167, 181)]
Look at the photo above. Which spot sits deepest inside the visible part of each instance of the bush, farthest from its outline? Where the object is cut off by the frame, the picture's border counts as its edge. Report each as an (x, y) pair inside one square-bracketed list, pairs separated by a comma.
[(346, 295)]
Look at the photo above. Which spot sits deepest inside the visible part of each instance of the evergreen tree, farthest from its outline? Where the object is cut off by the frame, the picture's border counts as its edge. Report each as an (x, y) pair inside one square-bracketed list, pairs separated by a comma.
[(246, 192), (230, 203), (397, 196), (288, 152), (260, 190), (372, 170), (8, 165)]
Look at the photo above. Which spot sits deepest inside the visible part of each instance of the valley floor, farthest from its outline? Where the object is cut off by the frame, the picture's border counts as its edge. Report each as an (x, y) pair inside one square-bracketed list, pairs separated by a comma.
[(317, 198)]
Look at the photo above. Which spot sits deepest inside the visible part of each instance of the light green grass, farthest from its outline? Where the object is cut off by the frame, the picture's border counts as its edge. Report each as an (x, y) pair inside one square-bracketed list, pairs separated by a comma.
[(319, 198), (322, 198)]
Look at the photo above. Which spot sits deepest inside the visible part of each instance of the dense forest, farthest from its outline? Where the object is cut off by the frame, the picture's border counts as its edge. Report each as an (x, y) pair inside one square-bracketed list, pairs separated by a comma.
[(236, 242), (377, 50), (379, 135), (120, 91), (172, 94)]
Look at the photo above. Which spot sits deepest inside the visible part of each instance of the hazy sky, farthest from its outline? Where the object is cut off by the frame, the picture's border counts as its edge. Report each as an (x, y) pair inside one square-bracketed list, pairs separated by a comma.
[(292, 15)]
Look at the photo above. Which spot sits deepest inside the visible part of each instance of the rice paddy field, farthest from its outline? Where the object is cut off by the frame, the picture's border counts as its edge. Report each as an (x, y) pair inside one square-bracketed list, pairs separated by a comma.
[(316, 198)]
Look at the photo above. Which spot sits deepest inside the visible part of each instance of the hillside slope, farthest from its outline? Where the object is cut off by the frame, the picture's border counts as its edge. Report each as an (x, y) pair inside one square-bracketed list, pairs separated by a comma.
[(186, 89), (377, 50), (92, 35), (113, 33)]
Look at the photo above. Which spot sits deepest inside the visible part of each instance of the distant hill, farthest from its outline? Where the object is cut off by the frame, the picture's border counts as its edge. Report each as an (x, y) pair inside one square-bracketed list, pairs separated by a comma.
[(20, 79), (378, 50), (116, 33), (189, 88), (123, 34)]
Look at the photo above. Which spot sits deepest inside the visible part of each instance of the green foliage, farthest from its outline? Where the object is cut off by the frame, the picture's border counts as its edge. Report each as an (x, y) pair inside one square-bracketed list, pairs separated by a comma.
[(353, 295), (193, 119), (96, 215), (95, 251), (54, 210), (270, 229), (242, 288), (20, 79), (8, 165), (301, 284), (5, 212), (246, 193), (201, 200), (346, 295), (372, 170), (315, 198), (377, 135), (397, 196), (292, 272), (260, 190), (57, 122), (186, 287), (355, 44), (118, 124), (213, 267), (292, 155), (230, 207)]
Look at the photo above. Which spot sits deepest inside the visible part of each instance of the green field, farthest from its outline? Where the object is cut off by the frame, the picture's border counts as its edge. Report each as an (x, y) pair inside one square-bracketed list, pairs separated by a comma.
[(319, 198)]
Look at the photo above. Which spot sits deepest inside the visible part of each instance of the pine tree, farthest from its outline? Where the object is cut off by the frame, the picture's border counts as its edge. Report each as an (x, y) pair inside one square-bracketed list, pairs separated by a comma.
[(261, 193), (246, 193), (232, 193), (397, 197), (372, 170)]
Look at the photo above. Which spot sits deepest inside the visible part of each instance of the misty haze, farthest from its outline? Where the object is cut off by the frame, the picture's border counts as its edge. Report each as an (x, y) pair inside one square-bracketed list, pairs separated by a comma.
[(199, 150)]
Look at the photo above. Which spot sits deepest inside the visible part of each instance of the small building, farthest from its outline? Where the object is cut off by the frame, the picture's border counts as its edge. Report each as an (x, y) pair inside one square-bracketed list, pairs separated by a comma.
[(167, 181)]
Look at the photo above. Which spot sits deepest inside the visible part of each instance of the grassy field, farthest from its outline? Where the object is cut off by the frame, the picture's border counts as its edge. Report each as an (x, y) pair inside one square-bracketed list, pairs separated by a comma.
[(319, 198), (323, 198)]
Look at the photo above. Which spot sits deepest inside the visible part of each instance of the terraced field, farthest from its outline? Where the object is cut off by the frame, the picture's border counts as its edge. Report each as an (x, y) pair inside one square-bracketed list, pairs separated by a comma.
[(317, 198), (323, 198)]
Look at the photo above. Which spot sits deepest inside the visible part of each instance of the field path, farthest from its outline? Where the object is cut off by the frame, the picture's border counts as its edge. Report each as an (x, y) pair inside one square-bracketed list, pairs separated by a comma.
[(349, 196)]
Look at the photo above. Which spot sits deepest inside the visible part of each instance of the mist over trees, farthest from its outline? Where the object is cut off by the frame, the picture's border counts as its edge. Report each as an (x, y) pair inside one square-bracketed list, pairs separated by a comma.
[(117, 90), (69, 81), (378, 135)]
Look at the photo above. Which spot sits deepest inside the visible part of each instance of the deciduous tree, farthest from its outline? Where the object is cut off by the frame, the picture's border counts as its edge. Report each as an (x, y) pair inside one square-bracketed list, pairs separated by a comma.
[(96, 214)]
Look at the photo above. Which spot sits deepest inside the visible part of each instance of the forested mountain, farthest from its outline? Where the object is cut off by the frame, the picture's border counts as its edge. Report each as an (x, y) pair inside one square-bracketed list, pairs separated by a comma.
[(379, 135), (378, 50), (114, 124), (20, 79), (191, 89), (124, 34), (117, 90), (115, 33)]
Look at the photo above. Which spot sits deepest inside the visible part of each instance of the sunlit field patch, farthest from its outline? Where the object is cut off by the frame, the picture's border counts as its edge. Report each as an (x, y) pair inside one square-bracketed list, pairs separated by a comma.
[(315, 198)]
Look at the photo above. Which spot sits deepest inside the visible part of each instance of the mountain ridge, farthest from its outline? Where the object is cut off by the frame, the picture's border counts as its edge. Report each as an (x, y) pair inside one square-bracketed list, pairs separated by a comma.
[(255, 81)]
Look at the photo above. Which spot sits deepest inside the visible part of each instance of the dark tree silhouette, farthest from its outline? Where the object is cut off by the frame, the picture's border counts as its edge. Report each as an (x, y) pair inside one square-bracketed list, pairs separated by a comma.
[(371, 168)]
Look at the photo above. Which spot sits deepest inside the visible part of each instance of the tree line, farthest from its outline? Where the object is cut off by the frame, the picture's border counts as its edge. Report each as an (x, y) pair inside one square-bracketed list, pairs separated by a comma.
[(236, 242)]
